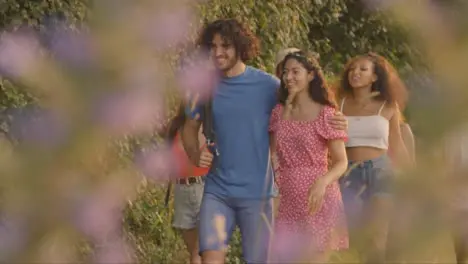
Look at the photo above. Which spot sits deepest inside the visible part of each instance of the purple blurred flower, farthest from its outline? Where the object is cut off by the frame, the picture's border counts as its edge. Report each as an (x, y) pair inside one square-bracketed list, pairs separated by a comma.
[(18, 53), (289, 246), (167, 29), (72, 46), (197, 76), (132, 112), (69, 43), (38, 127), (99, 215), (144, 77), (117, 251), (13, 237), (158, 163)]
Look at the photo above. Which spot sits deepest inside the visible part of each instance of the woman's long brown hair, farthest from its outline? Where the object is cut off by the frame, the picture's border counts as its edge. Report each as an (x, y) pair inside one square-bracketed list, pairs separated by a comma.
[(388, 85), (319, 91)]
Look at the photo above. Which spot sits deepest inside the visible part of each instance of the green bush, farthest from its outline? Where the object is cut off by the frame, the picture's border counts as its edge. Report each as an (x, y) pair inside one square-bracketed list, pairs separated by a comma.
[(15, 14), (149, 224), (341, 29)]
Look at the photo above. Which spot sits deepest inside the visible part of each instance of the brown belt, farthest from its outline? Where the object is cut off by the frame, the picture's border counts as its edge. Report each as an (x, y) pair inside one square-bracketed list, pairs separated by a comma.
[(190, 180)]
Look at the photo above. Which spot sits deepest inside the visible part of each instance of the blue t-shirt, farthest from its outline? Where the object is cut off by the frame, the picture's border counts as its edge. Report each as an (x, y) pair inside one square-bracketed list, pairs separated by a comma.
[(242, 107)]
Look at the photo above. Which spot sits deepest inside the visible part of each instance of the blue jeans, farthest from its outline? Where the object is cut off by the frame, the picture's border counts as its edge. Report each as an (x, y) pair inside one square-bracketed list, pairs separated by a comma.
[(220, 215), (366, 180)]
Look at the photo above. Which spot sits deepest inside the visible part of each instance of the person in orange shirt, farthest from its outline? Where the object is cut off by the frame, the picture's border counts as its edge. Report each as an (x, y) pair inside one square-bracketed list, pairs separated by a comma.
[(188, 188)]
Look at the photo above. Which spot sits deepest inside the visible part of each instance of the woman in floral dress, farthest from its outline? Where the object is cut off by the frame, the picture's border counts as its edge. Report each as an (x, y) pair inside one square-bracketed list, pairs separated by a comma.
[(310, 221)]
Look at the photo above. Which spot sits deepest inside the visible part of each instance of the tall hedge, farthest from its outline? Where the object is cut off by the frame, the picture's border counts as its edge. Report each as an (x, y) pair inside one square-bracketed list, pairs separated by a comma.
[(342, 29), (15, 14), (336, 29)]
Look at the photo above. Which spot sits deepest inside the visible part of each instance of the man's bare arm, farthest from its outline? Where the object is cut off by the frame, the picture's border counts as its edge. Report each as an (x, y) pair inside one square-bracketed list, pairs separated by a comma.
[(190, 139)]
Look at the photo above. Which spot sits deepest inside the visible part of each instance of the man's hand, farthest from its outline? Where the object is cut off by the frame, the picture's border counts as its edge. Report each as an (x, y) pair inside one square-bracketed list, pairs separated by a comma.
[(338, 121), (205, 159)]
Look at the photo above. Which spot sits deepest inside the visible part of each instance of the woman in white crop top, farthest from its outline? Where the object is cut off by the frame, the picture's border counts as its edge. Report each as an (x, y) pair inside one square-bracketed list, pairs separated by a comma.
[(370, 93)]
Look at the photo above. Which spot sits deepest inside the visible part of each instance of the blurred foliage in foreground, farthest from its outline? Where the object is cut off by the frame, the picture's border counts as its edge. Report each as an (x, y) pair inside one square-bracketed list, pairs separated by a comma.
[(62, 194)]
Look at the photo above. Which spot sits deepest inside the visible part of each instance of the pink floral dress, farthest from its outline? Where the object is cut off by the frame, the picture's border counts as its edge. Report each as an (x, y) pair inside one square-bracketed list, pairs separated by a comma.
[(301, 147)]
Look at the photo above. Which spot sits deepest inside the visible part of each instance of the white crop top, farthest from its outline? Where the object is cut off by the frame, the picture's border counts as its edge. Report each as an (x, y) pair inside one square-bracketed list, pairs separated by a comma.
[(367, 131)]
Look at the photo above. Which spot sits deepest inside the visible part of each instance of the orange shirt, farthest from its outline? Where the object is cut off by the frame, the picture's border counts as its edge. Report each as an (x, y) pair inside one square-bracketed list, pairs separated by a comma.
[(186, 167)]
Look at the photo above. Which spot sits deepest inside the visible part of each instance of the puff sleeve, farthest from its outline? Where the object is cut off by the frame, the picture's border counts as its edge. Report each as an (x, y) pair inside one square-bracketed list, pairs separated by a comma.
[(325, 130), (275, 118)]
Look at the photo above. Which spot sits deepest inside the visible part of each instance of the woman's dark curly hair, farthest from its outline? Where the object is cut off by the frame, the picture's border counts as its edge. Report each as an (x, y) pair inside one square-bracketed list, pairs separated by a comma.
[(389, 86), (235, 33), (319, 91)]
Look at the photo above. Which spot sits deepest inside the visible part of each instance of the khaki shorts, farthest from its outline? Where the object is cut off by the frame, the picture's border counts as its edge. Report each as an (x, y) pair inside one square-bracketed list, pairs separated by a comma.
[(187, 200)]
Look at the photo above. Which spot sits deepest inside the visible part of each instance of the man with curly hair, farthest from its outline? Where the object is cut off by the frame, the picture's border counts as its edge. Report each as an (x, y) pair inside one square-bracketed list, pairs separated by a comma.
[(238, 188)]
